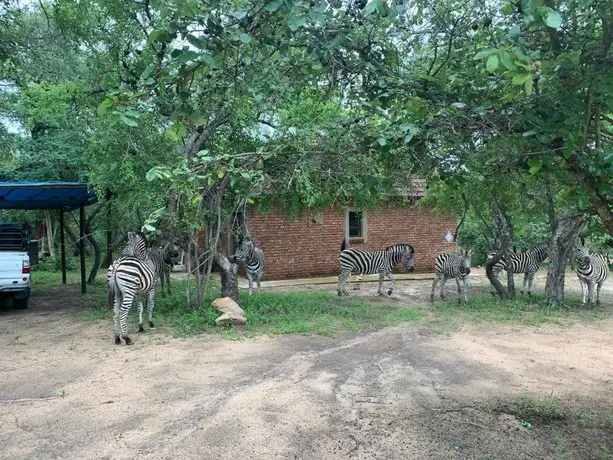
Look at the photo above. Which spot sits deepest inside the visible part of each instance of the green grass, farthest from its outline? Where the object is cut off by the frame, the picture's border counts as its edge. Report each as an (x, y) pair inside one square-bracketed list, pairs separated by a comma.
[(526, 310), (546, 409), (317, 313)]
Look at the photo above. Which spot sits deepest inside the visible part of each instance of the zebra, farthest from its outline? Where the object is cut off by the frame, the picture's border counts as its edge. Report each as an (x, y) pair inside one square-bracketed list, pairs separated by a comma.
[(370, 262), (527, 262), (254, 260), (128, 277), (163, 259), (449, 266), (592, 269)]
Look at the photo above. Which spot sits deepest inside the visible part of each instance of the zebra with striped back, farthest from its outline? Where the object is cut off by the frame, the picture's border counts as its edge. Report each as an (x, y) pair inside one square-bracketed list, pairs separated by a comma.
[(371, 262), (253, 259), (526, 262), (130, 276), (163, 260), (592, 270), (448, 266)]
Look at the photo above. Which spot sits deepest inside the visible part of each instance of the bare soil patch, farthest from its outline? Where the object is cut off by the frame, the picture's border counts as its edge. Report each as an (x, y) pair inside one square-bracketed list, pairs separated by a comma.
[(402, 392)]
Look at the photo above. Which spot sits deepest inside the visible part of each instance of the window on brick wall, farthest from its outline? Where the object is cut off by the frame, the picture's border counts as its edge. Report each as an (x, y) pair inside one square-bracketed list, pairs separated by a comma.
[(356, 224)]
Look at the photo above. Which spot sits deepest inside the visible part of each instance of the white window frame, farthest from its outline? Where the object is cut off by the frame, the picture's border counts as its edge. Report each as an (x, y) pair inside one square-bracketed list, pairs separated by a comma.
[(364, 226)]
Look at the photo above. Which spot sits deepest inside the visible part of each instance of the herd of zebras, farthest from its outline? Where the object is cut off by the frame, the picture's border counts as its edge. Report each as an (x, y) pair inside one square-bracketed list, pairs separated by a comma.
[(135, 274)]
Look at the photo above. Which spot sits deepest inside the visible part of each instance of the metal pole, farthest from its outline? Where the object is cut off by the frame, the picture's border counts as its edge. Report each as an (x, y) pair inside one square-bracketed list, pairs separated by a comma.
[(63, 246), (82, 246)]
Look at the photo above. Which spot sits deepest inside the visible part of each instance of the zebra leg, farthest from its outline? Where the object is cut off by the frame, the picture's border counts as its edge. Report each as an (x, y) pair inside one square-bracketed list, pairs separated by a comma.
[(443, 281), (523, 286), (530, 279), (583, 290), (464, 282), (140, 315), (392, 282), (151, 306), (434, 283), (116, 309), (162, 275), (591, 300), (250, 278), (457, 281), (342, 279), (380, 290), (123, 316), (599, 286), (257, 280), (168, 280)]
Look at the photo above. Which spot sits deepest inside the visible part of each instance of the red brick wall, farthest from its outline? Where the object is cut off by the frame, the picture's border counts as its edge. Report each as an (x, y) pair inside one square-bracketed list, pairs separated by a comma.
[(300, 248)]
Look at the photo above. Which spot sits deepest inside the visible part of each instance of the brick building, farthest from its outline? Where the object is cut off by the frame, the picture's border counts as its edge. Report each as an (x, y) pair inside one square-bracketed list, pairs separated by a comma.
[(309, 246)]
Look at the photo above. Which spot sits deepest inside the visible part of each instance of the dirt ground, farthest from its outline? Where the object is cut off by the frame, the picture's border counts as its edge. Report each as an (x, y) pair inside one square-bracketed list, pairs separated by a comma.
[(66, 391)]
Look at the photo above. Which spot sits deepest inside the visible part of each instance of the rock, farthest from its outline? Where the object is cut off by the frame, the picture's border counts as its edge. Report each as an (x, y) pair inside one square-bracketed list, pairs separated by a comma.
[(232, 312), (226, 319)]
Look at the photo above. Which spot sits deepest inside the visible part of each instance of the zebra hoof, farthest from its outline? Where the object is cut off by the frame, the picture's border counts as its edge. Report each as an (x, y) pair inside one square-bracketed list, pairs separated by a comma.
[(339, 293), (128, 341), (151, 325), (389, 292), (140, 328), (117, 340)]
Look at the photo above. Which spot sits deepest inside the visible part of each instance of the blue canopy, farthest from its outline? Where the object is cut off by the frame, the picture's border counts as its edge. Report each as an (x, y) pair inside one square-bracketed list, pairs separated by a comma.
[(44, 195)]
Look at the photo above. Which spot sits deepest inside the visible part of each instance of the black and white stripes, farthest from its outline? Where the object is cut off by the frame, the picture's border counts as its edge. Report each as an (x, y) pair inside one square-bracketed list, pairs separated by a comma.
[(449, 266), (131, 276), (371, 262), (527, 262), (592, 270), (254, 260), (163, 260)]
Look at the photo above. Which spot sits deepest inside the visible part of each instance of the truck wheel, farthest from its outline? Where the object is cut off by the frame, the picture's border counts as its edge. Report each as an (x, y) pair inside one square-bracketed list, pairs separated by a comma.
[(20, 304)]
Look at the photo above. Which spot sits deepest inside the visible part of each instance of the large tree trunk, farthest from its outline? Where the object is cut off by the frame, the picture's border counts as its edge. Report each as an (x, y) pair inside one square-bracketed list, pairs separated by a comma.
[(566, 230), (229, 276), (504, 229)]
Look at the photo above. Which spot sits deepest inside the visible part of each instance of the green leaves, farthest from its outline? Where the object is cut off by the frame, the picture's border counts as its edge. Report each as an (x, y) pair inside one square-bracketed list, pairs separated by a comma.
[(520, 78), (175, 131), (295, 23), (551, 18), (273, 6), (485, 53), (507, 60), (371, 7), (492, 63)]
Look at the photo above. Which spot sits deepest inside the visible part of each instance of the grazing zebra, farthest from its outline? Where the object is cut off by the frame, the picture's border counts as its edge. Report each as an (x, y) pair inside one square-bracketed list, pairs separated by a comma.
[(449, 266), (527, 262), (130, 276), (254, 260), (371, 262), (592, 269), (163, 259)]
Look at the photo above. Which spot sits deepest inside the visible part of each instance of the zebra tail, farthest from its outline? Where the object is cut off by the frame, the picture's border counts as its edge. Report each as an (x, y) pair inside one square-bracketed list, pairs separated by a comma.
[(343, 245), (111, 289), (111, 296)]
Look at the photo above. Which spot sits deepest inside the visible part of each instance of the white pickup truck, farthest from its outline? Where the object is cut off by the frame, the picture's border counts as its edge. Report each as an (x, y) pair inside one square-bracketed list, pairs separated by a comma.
[(14, 265)]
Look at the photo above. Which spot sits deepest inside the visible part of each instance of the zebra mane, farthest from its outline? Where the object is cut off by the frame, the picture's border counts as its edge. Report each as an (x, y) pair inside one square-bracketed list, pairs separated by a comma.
[(401, 247), (143, 236)]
